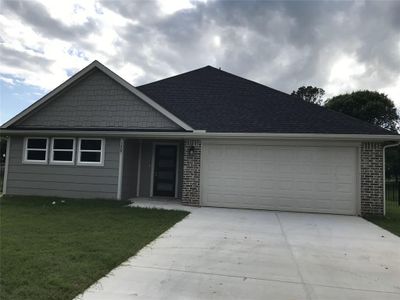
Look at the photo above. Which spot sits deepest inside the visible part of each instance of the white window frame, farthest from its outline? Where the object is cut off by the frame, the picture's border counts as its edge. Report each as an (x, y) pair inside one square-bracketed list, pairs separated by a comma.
[(61, 162), (25, 159), (102, 150)]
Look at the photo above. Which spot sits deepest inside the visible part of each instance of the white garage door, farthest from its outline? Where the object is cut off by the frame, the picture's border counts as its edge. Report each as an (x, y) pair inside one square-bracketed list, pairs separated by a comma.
[(289, 178)]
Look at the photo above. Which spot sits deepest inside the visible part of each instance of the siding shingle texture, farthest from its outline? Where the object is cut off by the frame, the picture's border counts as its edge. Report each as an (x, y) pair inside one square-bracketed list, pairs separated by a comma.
[(372, 195), (98, 101), (191, 173)]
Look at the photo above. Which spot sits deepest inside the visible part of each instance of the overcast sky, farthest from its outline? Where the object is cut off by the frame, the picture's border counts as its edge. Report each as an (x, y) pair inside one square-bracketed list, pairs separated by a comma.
[(338, 46)]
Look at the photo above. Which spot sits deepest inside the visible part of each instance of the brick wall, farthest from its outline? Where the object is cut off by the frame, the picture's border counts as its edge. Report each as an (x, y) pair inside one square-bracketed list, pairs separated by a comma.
[(191, 173), (372, 195)]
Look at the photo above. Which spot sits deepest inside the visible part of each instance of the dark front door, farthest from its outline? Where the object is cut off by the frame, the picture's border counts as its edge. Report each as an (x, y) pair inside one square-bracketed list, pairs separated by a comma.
[(165, 170)]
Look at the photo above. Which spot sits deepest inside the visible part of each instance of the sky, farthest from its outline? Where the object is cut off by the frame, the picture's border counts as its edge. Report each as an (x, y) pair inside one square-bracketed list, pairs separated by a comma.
[(340, 46)]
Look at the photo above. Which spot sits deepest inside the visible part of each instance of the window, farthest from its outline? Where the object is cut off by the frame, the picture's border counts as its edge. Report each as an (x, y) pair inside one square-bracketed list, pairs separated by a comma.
[(91, 152), (63, 151), (35, 150)]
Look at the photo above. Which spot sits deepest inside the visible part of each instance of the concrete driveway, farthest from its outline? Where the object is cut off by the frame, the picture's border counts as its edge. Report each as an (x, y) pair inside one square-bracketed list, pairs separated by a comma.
[(219, 253)]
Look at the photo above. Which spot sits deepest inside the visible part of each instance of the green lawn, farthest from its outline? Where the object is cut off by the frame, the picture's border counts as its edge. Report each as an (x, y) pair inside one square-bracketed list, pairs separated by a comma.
[(56, 251), (389, 222)]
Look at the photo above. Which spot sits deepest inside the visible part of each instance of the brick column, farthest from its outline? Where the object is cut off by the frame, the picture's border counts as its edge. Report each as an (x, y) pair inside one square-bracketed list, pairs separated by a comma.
[(191, 173), (372, 195)]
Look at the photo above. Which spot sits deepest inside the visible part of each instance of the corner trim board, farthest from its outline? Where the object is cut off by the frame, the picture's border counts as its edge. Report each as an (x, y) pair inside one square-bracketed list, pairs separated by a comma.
[(139, 169), (6, 166), (120, 168)]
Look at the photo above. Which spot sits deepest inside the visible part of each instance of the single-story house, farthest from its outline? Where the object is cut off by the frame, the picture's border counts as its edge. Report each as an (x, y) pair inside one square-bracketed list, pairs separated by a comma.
[(207, 137)]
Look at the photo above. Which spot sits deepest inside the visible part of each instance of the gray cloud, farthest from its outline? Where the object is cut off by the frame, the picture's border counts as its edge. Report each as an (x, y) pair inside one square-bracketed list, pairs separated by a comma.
[(24, 60), (282, 44), (36, 15)]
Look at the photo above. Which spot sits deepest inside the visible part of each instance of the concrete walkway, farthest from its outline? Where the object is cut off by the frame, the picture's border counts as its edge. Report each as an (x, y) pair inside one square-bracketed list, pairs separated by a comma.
[(245, 254)]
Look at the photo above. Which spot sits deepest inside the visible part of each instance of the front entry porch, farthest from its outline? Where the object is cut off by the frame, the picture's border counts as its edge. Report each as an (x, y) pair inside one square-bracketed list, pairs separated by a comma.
[(152, 169)]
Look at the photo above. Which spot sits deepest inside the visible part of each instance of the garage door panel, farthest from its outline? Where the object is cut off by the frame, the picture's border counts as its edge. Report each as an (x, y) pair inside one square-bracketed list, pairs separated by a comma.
[(314, 179)]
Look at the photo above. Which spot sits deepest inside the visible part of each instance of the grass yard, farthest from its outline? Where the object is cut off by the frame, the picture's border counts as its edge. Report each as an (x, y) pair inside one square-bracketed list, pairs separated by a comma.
[(391, 221), (57, 251)]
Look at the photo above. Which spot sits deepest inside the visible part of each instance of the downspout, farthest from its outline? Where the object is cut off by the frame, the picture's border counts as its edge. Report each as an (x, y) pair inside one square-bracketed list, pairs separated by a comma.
[(384, 173)]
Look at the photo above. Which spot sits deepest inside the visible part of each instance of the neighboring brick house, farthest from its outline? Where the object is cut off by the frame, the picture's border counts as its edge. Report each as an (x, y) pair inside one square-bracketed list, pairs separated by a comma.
[(206, 137)]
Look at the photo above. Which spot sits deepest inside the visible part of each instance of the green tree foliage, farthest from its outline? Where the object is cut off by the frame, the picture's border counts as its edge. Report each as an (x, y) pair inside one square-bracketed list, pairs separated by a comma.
[(370, 106), (393, 163), (310, 94)]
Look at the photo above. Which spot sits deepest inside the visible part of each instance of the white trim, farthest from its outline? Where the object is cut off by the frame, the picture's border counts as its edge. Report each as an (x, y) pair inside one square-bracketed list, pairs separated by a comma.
[(176, 144), (62, 162), (384, 173), (6, 166), (358, 208), (102, 153), (177, 170), (25, 159), (139, 168), (211, 135), (153, 154), (120, 80), (120, 168)]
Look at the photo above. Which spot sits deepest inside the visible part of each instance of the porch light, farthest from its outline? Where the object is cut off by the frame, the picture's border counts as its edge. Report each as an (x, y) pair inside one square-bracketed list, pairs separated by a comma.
[(191, 150)]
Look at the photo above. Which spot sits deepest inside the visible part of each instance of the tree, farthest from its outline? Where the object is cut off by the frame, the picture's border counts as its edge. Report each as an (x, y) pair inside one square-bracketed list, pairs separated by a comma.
[(310, 94), (393, 163), (370, 106)]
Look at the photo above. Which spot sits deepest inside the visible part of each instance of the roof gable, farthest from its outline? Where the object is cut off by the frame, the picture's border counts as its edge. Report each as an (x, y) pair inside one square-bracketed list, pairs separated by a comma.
[(97, 102), (216, 101), (114, 103)]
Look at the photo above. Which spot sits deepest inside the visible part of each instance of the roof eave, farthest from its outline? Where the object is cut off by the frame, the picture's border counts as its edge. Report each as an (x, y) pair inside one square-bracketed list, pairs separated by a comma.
[(201, 134)]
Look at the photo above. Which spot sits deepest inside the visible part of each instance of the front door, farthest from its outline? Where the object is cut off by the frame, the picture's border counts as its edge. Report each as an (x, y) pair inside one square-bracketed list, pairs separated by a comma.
[(165, 159)]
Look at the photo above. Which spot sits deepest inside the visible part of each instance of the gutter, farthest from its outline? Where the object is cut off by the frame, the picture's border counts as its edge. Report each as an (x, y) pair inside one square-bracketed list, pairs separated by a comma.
[(384, 173), (200, 134)]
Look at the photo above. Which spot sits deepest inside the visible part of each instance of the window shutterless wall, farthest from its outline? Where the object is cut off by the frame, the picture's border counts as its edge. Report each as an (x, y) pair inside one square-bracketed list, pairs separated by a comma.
[(63, 180)]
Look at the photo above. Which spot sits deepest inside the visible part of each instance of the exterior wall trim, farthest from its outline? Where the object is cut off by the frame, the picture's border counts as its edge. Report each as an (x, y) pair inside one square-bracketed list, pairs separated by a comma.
[(120, 168), (6, 166), (139, 169), (203, 135)]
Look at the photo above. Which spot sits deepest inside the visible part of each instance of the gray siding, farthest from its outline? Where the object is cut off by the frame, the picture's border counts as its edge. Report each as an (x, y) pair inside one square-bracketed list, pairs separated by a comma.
[(98, 101), (130, 171), (146, 164), (63, 181)]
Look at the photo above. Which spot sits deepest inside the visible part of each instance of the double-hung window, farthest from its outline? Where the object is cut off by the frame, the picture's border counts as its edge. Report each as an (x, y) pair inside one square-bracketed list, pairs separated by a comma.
[(91, 152), (35, 150), (62, 151)]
